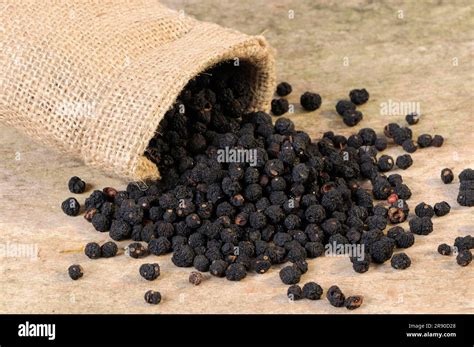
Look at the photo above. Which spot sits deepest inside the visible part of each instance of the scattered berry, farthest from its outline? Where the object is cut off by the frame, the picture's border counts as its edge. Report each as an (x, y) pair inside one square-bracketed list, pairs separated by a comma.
[(447, 176), (75, 271), (152, 297), (444, 249), (195, 278), (283, 89), (310, 101), (359, 96), (71, 207), (76, 185), (400, 261)]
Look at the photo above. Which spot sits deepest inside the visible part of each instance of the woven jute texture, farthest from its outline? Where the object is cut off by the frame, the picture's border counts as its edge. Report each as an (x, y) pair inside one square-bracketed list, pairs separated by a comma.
[(94, 78)]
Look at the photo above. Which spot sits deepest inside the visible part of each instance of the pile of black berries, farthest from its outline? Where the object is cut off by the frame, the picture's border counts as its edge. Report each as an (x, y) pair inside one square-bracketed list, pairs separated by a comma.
[(239, 193)]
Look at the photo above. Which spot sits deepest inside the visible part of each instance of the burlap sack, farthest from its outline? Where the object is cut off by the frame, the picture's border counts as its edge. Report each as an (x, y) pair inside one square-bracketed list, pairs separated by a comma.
[(94, 78)]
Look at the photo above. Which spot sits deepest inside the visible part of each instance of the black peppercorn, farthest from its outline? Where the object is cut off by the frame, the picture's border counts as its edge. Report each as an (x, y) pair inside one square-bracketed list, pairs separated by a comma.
[(424, 210), (385, 163), (381, 250), (294, 292), (76, 185), (137, 250), (404, 161), (150, 272), (368, 136), (283, 89), (412, 118), (344, 105), (71, 207), (120, 230), (441, 208), (310, 101), (183, 256), (279, 106), (400, 261), (444, 249), (352, 117), (359, 96), (92, 250), (447, 176), (290, 274), (409, 146), (100, 222), (437, 141), (75, 272), (235, 272), (390, 129), (424, 140), (381, 144), (152, 297), (335, 296), (108, 249), (421, 226), (96, 199), (218, 268), (195, 278), (360, 266), (312, 291), (464, 257), (353, 302)]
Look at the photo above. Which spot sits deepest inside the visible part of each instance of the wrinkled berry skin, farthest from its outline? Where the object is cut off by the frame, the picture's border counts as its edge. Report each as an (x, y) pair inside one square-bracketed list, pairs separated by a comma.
[(359, 96), (152, 297), (279, 106), (235, 272), (290, 274), (445, 249), (382, 250), (195, 278), (360, 266), (441, 208), (352, 117), (404, 161), (76, 185), (421, 226), (218, 268), (283, 89), (343, 106), (137, 250), (424, 140), (75, 272), (312, 291), (412, 118), (159, 246), (150, 272), (92, 250), (464, 257), (424, 210), (71, 207), (447, 176), (100, 222), (335, 296), (400, 261), (353, 302), (310, 101), (294, 292), (183, 256), (437, 141), (108, 249)]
